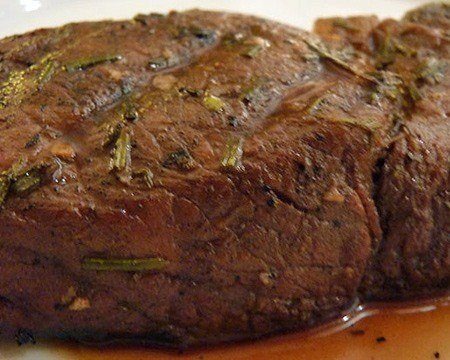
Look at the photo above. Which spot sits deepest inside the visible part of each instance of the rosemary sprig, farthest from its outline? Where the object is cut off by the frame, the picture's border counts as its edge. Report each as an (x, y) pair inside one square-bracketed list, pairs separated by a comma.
[(127, 265)]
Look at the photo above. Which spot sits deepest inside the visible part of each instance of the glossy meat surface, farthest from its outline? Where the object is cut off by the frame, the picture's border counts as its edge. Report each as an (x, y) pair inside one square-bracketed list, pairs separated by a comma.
[(256, 178)]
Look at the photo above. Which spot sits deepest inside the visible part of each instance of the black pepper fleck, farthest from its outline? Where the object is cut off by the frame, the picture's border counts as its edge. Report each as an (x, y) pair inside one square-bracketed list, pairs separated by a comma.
[(266, 188), (380, 339), (272, 202), (337, 223), (233, 121)]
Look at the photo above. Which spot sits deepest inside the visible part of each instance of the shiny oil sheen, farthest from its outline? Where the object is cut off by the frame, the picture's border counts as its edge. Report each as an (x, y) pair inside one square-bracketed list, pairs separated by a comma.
[(379, 331)]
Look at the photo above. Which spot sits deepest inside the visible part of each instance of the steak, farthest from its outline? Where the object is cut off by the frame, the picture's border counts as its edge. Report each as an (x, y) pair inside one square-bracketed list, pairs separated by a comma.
[(201, 177)]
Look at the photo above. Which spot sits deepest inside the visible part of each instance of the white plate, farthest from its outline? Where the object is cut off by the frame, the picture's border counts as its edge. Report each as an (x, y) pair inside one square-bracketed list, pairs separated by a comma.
[(18, 16), (21, 15)]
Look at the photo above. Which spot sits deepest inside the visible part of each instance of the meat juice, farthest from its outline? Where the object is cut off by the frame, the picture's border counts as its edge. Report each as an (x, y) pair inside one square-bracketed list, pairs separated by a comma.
[(419, 330)]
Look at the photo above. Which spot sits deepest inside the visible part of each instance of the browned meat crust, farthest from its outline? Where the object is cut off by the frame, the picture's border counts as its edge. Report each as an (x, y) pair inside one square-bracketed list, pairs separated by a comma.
[(259, 178)]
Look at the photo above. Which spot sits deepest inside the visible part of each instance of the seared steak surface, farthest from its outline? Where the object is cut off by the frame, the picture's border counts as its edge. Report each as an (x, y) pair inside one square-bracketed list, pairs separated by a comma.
[(203, 177)]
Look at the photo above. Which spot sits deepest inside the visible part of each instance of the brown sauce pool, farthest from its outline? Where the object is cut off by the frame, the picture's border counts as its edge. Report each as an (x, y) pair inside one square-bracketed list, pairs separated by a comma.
[(379, 331)]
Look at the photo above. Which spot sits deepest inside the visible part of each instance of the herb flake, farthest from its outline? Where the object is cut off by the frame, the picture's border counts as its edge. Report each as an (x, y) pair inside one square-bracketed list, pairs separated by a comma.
[(232, 157), (27, 181), (121, 160), (85, 63), (146, 174), (431, 70), (213, 103), (252, 51), (181, 159)]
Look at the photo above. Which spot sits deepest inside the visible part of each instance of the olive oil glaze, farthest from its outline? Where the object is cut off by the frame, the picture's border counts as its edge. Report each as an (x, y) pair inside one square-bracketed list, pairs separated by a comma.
[(413, 330)]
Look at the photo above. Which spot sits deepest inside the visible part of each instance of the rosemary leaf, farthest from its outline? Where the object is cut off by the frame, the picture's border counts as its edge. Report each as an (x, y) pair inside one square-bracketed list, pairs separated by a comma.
[(232, 157), (213, 103), (404, 49), (27, 181), (414, 92), (82, 64), (47, 71), (431, 70), (130, 265), (385, 52), (343, 23), (252, 91), (146, 174), (324, 53), (112, 132), (17, 168), (252, 51), (130, 112), (315, 105), (389, 84), (389, 48), (121, 160), (369, 125), (205, 35)]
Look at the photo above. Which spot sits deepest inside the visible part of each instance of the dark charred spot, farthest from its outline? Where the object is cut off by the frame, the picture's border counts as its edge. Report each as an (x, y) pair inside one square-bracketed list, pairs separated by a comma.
[(266, 188), (24, 336), (337, 223), (180, 159), (233, 121), (205, 35), (319, 137), (190, 91), (272, 202), (33, 141)]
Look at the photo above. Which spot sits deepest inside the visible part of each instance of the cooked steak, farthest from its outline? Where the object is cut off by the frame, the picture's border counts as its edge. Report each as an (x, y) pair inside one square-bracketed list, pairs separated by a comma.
[(203, 177)]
